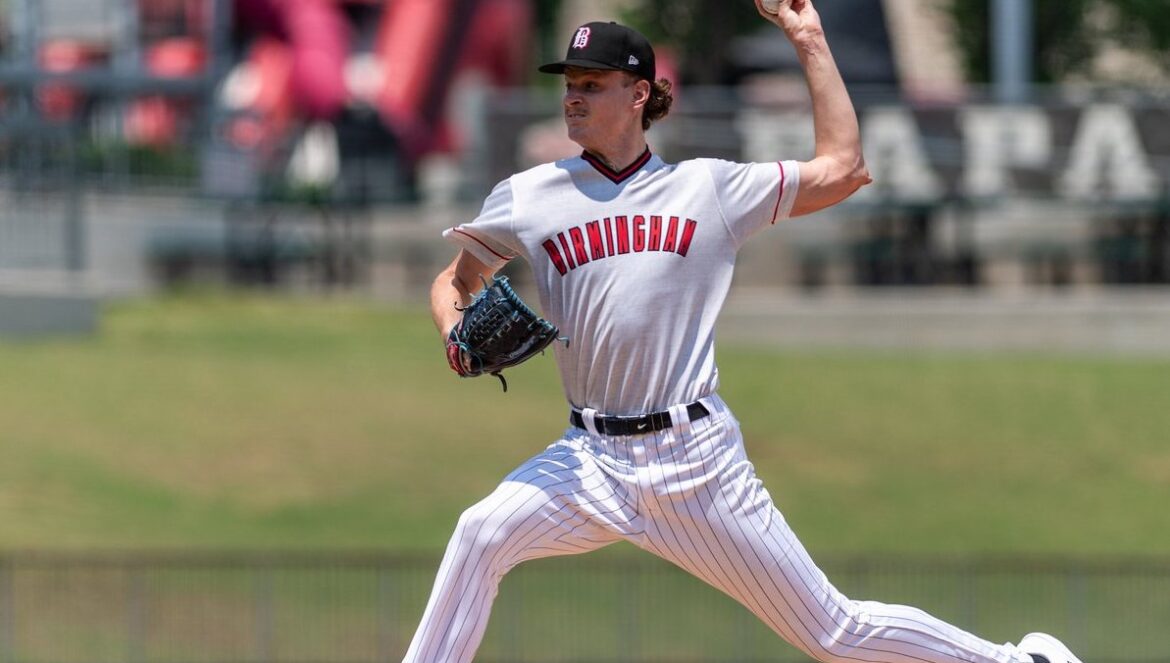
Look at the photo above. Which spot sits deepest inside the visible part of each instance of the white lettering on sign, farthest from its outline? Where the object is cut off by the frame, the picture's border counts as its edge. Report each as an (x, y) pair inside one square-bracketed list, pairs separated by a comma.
[(997, 138), (896, 158), (768, 136), (1107, 159)]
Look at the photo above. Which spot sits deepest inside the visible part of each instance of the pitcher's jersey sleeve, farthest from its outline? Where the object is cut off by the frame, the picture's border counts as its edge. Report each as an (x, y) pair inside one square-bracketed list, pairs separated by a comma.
[(490, 237), (753, 196)]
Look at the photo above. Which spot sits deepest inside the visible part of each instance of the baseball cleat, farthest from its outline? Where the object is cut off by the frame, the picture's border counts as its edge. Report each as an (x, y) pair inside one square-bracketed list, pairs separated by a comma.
[(1047, 647)]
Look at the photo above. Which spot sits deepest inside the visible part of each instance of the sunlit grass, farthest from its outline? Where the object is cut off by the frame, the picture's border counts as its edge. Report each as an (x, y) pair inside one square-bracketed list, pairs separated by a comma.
[(248, 421)]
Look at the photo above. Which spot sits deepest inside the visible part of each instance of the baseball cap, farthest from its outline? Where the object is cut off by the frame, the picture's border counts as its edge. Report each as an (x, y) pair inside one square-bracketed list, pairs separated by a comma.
[(601, 45)]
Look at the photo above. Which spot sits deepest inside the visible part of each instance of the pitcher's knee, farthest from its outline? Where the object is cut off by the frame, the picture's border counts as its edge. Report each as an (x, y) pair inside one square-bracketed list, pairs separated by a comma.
[(485, 529), (840, 645), (477, 527), (834, 650)]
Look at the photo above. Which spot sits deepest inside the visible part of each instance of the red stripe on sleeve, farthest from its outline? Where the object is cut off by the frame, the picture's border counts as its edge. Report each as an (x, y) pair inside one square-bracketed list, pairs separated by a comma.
[(776, 209), (480, 242)]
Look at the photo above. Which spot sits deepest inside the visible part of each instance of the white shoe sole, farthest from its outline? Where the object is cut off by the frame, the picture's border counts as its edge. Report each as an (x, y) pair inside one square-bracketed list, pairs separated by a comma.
[(1048, 647)]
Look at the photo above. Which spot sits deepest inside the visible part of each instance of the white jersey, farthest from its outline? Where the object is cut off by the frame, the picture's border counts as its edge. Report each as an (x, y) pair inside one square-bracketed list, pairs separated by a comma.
[(633, 267)]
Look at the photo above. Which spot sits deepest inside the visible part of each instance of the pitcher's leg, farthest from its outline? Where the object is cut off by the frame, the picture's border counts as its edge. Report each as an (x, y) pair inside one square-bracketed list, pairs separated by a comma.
[(757, 560), (833, 627), (542, 509), (718, 522)]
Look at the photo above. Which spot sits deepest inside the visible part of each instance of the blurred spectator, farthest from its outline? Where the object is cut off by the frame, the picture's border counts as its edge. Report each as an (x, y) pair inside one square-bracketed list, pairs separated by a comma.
[(315, 34), (59, 102), (314, 61), (173, 46), (165, 19)]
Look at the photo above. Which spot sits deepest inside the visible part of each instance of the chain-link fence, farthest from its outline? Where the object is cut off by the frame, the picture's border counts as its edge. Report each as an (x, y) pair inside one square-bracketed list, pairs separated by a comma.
[(353, 608)]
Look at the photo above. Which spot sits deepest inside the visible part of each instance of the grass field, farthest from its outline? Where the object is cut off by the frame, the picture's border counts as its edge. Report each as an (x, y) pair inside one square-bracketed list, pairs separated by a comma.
[(254, 422), (246, 422)]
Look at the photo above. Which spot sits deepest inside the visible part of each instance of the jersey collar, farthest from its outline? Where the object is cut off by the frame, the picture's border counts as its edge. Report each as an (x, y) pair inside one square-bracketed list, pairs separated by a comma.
[(615, 176)]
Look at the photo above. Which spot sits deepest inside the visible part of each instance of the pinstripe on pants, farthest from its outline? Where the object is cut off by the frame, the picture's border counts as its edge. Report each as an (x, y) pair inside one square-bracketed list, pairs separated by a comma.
[(689, 495)]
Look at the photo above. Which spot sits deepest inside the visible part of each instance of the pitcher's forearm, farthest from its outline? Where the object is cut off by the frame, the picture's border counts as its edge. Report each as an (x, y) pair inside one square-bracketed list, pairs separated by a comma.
[(455, 285), (837, 133), (837, 168), (447, 291)]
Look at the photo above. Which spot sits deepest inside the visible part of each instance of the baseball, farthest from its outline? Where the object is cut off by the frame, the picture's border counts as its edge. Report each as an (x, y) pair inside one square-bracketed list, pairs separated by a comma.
[(773, 6)]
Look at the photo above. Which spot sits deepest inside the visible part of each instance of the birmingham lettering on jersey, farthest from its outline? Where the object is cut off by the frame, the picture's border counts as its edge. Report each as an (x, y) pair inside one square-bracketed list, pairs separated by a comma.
[(609, 237)]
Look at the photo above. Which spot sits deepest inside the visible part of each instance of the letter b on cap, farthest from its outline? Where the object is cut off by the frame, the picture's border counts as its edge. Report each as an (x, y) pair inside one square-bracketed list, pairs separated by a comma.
[(581, 39)]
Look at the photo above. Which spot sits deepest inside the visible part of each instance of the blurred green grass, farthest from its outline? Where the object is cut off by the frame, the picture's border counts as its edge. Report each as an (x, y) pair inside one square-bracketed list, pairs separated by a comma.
[(248, 421)]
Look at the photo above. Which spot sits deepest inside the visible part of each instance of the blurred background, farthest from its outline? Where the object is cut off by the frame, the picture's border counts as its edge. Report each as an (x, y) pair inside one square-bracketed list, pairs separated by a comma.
[(227, 431)]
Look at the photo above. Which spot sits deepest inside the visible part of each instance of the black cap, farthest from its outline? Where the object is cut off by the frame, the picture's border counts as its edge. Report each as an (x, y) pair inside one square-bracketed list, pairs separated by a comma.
[(601, 45)]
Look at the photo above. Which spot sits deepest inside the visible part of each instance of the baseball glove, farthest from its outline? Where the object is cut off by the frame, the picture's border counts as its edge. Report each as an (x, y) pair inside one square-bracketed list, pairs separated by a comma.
[(497, 331)]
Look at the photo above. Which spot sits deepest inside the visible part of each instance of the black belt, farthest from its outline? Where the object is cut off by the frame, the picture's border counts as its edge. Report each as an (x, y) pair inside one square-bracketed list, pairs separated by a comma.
[(647, 423)]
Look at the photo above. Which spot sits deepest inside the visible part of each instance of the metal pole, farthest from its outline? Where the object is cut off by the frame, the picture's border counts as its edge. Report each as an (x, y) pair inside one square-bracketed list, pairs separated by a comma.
[(1011, 49), (25, 39), (217, 39), (127, 63), (25, 32), (127, 55), (75, 236)]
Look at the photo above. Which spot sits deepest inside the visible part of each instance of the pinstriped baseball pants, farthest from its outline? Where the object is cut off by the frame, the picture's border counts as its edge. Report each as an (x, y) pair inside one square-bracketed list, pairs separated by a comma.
[(689, 495)]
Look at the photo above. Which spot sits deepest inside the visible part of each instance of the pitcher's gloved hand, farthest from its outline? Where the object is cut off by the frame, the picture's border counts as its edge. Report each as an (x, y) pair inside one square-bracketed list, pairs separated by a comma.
[(497, 331)]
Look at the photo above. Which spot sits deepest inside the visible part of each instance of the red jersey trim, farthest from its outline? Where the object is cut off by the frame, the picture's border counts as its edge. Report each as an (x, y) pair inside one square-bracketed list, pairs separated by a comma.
[(615, 176), (480, 242), (780, 196)]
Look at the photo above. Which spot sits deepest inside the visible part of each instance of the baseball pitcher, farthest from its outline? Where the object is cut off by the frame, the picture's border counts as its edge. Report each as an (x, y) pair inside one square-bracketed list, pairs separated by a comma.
[(632, 258)]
